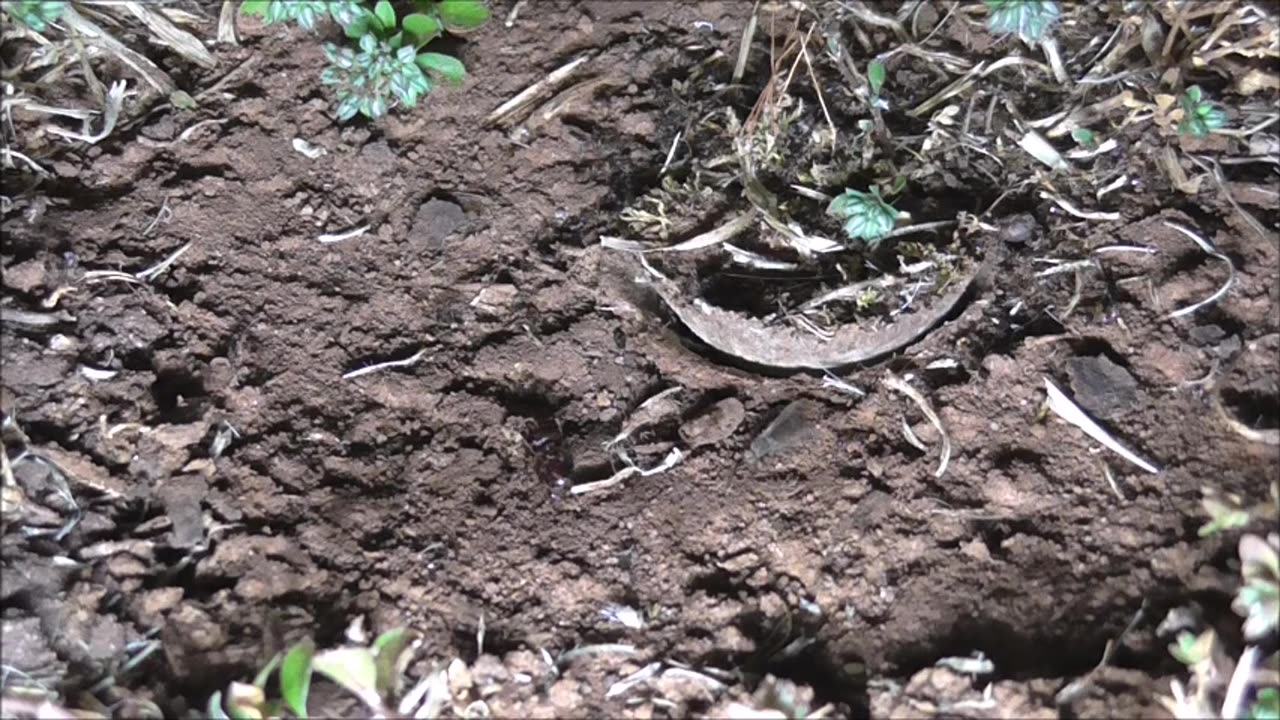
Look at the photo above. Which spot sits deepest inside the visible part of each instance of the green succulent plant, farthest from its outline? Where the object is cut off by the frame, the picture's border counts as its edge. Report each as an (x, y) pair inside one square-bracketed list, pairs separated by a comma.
[(867, 216), (1200, 115), (36, 14), (1029, 19), (387, 67)]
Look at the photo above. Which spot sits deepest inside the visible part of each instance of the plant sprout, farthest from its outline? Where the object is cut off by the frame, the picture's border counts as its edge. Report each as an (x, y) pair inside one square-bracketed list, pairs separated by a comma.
[(387, 67), (1258, 599), (866, 215), (1029, 19), (36, 14), (374, 674), (1200, 116)]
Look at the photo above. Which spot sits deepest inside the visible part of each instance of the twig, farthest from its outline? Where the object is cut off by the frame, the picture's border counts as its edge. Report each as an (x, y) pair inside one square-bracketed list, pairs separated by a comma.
[(817, 86), (830, 380), (1239, 684), (529, 94), (727, 231), (1213, 252), (110, 114), (339, 237), (893, 382), (412, 359), (1064, 408), (673, 457), (152, 272), (1082, 214), (671, 154), (154, 76), (744, 50), (163, 216)]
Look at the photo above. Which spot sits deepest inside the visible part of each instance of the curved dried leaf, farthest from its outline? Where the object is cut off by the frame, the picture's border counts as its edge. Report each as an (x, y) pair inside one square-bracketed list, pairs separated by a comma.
[(786, 347)]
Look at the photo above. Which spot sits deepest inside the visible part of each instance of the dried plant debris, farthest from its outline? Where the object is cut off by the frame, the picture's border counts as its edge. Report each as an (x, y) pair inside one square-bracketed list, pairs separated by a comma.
[(753, 341)]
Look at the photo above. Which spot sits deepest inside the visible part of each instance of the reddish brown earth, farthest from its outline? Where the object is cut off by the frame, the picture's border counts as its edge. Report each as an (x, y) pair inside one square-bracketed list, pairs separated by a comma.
[(435, 494)]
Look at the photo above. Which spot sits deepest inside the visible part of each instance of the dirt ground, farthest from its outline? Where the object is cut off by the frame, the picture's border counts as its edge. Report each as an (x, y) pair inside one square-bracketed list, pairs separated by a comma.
[(235, 492)]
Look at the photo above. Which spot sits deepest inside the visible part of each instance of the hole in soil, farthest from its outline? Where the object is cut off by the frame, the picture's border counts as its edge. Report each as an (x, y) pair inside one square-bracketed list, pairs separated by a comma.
[(1258, 410), (175, 393), (497, 641), (1096, 347), (790, 649)]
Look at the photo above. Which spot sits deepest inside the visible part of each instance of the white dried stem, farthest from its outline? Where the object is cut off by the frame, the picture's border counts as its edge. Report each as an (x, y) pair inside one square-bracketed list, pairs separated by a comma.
[(1212, 252), (1064, 408), (893, 382)]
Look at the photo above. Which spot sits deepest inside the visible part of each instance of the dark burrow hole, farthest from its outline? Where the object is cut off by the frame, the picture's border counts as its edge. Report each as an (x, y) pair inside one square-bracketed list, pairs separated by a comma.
[(1259, 410), (791, 649), (1096, 347), (179, 395), (1017, 653)]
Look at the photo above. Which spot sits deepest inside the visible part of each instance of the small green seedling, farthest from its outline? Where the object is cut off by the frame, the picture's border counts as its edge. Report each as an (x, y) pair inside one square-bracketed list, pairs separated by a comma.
[(1267, 706), (1258, 600), (1029, 19), (1200, 115), (36, 14), (1225, 513), (867, 216), (1085, 138), (876, 76), (373, 674), (388, 67)]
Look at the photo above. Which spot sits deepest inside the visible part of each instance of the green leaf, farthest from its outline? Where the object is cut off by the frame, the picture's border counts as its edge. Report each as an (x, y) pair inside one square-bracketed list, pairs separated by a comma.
[(462, 14), (386, 15), (450, 68), (1030, 19), (867, 216), (1267, 706), (388, 650), (875, 75), (421, 29), (1084, 137), (260, 680), (295, 677), (364, 23), (181, 100), (254, 7), (214, 708), (1194, 94), (352, 667)]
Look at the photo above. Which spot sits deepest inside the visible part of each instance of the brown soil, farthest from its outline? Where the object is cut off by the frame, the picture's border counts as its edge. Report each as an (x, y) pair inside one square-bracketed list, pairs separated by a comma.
[(436, 494)]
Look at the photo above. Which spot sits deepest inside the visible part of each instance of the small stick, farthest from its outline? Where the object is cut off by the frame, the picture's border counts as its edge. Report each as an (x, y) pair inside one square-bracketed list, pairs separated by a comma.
[(831, 380), (527, 95), (817, 86), (671, 154), (515, 13), (150, 273), (1082, 214), (339, 237), (163, 216), (1111, 480), (1064, 408), (893, 382), (1239, 684), (1213, 252), (744, 51), (918, 228), (412, 359), (667, 463)]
